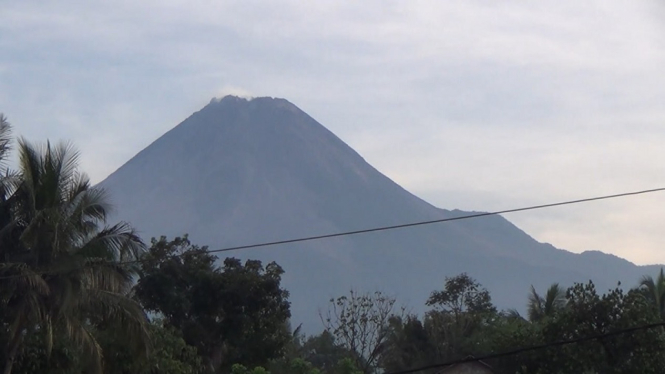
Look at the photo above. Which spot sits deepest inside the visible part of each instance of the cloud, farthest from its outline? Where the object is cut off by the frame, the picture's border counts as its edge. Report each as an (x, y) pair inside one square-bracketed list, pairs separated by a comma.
[(235, 91), (470, 104)]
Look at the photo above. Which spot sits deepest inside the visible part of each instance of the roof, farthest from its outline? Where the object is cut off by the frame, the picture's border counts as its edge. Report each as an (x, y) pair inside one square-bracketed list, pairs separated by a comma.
[(471, 363)]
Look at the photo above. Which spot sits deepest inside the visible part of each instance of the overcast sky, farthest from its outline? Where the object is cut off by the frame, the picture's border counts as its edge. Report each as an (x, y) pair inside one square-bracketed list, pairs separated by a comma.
[(477, 105)]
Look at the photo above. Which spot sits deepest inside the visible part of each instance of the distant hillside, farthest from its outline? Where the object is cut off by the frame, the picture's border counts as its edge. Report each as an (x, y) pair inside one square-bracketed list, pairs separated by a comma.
[(248, 171)]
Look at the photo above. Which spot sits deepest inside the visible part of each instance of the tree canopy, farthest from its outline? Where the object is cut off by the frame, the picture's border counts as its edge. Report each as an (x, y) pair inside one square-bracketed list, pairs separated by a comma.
[(233, 313)]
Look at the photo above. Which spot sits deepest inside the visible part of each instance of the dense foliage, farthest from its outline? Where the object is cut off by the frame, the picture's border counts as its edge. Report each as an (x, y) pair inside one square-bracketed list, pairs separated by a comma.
[(234, 313), (63, 271), (76, 293)]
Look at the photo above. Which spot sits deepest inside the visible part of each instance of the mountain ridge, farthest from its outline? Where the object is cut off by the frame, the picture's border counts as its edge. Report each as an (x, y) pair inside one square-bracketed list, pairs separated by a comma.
[(241, 172)]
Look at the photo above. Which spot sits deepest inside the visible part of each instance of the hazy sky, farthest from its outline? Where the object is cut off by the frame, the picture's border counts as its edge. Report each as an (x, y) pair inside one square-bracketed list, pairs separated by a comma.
[(477, 105)]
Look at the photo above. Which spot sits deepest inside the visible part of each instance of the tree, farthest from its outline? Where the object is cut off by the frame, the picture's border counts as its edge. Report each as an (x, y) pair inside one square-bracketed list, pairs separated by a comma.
[(64, 357), (346, 366), (407, 346), (293, 349), (507, 332), (586, 314), (241, 369), (294, 366), (324, 352), (360, 323), (236, 313), (544, 307), (654, 291), (314, 354), (589, 314), (462, 294), (61, 268), (459, 311), (170, 354)]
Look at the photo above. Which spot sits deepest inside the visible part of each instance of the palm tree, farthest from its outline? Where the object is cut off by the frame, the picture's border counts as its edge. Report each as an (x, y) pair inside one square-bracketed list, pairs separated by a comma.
[(513, 314), (7, 178), (540, 307), (62, 268), (654, 291)]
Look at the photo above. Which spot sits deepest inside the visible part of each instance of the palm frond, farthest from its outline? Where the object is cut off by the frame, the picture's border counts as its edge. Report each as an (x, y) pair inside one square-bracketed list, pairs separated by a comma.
[(33, 232), (106, 276), (65, 159), (660, 290), (535, 305), (49, 172), (79, 218), (5, 139), (654, 290), (87, 209), (79, 183), (647, 282), (65, 293), (74, 275), (83, 337), (121, 312), (555, 299), (119, 242), (20, 277), (31, 167), (9, 183), (29, 309), (297, 332), (513, 314), (47, 324)]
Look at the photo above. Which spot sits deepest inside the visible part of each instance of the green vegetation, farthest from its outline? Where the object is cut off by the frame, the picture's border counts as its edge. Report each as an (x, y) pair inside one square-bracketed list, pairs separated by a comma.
[(233, 314), (76, 292), (61, 263)]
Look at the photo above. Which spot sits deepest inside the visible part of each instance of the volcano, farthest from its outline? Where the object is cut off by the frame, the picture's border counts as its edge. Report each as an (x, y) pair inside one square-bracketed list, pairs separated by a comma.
[(242, 172)]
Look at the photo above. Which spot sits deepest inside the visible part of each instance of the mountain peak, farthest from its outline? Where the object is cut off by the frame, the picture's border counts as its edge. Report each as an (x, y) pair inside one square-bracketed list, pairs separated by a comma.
[(251, 104), (230, 99)]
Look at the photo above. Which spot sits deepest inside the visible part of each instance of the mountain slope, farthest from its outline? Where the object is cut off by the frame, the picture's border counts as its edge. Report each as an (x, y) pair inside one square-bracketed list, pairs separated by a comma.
[(249, 171)]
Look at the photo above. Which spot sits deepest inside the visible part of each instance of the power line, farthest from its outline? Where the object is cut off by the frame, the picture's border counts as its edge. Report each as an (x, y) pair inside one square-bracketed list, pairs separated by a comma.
[(401, 226), (531, 348), (422, 223)]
